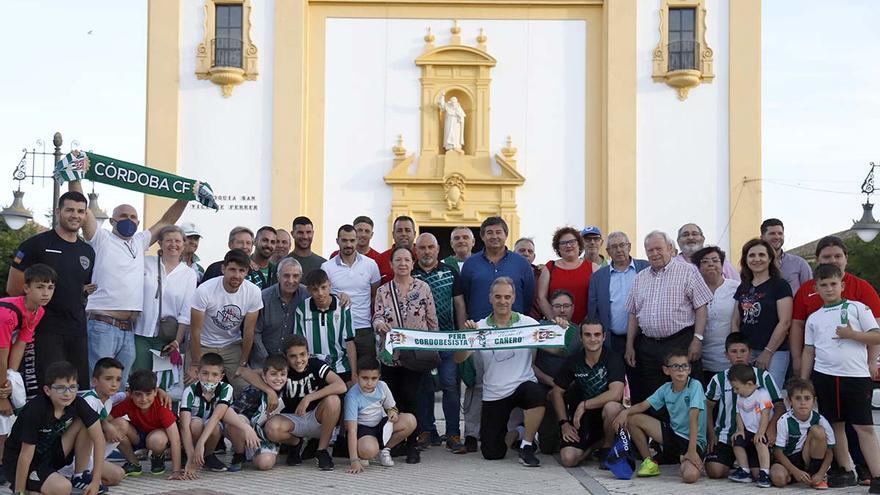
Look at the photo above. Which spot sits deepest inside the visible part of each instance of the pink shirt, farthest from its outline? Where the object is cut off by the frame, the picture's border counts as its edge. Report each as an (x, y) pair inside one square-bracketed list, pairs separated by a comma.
[(9, 322), (664, 301)]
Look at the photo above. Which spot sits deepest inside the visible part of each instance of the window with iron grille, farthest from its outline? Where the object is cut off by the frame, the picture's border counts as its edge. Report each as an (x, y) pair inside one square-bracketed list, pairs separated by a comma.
[(227, 36), (682, 47)]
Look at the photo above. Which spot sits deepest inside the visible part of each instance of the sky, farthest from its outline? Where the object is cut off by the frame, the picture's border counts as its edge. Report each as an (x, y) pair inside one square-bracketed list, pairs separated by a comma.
[(80, 68)]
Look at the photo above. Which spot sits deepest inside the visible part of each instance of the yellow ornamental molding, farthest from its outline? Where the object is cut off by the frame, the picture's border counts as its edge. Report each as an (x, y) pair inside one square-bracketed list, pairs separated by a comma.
[(227, 55), (683, 58)]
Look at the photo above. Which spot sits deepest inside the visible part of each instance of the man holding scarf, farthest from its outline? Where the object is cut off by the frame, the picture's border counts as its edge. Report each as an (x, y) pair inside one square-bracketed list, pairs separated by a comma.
[(119, 275)]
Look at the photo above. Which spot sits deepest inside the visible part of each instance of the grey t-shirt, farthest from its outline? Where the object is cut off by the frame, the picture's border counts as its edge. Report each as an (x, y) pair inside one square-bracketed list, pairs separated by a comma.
[(309, 263)]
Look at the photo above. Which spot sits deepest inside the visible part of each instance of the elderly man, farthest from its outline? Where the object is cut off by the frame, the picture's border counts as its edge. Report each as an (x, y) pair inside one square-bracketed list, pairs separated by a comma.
[(303, 235), (189, 256), (357, 276), (494, 261), (119, 275), (509, 381), (283, 241), (403, 231), (239, 238), (592, 245), (462, 242), (275, 321), (525, 247), (449, 302), (795, 269), (668, 310), (691, 240), (609, 290), (263, 272)]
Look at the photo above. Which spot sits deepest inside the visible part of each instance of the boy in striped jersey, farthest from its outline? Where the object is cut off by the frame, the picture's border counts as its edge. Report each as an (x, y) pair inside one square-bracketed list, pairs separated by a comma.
[(804, 440), (204, 405), (720, 392), (253, 406), (327, 327)]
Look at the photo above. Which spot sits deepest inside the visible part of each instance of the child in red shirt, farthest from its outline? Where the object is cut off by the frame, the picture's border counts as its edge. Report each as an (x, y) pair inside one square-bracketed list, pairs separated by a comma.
[(149, 425)]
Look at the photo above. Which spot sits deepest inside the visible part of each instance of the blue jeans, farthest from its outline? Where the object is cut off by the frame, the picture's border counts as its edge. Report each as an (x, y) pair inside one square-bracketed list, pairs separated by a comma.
[(449, 384), (105, 340), (777, 367)]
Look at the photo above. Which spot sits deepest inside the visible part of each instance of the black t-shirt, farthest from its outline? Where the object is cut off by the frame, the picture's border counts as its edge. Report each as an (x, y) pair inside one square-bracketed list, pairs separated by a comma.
[(213, 271), (591, 381), (757, 310), (73, 261), (314, 377), (37, 425)]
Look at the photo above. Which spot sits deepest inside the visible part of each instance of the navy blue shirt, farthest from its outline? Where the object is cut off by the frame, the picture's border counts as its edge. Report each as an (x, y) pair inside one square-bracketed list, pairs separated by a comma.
[(477, 276)]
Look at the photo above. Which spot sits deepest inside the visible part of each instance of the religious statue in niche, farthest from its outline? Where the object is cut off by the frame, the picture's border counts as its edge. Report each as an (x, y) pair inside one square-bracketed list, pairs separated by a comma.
[(453, 128)]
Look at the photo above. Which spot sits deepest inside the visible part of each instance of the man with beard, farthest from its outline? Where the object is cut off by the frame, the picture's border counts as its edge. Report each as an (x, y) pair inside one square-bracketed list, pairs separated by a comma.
[(275, 321), (282, 245), (356, 275), (403, 231), (462, 241), (795, 269), (592, 244), (241, 238), (303, 234), (61, 334), (690, 240), (262, 271), (219, 308)]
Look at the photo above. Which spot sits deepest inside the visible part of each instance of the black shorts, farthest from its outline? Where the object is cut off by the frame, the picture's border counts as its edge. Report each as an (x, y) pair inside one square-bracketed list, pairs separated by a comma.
[(844, 398), (673, 444), (373, 431), (590, 433), (747, 442), (723, 454), (41, 468)]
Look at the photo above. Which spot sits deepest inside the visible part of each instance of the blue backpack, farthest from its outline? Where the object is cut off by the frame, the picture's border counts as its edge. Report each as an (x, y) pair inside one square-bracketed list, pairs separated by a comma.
[(620, 460)]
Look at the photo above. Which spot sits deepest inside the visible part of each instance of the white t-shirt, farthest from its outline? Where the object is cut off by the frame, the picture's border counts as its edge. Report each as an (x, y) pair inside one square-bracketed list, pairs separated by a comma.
[(356, 281), (505, 369), (224, 311), (749, 408), (834, 356), (791, 433), (178, 288), (119, 271)]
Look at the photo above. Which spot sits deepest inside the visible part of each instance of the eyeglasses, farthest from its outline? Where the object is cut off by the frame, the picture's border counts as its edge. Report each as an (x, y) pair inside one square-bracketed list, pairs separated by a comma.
[(593, 239), (562, 306), (63, 389), (622, 245), (678, 367), (569, 242)]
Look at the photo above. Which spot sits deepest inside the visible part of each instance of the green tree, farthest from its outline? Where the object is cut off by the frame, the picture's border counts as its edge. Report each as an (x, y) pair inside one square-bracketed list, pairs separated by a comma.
[(9, 242), (863, 259)]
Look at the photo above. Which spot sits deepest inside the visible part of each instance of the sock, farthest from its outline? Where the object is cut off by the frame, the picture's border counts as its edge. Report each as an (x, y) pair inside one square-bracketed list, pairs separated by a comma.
[(765, 471), (815, 464), (78, 475), (523, 443)]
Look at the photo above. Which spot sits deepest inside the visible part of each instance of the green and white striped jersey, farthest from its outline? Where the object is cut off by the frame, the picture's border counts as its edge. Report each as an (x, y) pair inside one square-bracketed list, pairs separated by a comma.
[(791, 433), (103, 408), (721, 391), (326, 331), (194, 401)]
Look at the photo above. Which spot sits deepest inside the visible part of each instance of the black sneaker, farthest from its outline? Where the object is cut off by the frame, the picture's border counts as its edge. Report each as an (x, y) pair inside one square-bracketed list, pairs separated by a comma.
[(213, 463), (863, 474), (325, 462), (237, 462), (527, 456), (436, 439), (293, 457), (308, 452), (80, 483), (875, 485), (157, 464), (470, 443), (413, 456), (132, 469), (3, 479), (840, 479)]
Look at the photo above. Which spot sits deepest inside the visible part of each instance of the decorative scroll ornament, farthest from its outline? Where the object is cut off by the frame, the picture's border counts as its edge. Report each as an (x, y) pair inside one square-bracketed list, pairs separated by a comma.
[(454, 187)]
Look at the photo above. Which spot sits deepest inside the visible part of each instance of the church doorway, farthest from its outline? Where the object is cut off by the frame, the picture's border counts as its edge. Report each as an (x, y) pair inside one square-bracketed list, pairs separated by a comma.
[(443, 235)]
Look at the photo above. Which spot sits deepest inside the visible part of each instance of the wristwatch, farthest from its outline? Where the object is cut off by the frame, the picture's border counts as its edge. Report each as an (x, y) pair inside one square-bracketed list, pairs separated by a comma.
[(563, 421), (698, 337)]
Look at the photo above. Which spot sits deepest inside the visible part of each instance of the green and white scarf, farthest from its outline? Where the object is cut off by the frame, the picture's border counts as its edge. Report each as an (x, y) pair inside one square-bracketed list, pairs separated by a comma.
[(546, 336), (106, 170)]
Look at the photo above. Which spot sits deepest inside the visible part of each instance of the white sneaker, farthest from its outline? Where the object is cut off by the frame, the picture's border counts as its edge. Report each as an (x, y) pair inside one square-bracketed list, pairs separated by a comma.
[(385, 457), (875, 398)]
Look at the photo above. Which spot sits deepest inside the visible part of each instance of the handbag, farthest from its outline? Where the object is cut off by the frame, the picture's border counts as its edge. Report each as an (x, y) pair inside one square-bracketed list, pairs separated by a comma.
[(412, 359), (166, 327)]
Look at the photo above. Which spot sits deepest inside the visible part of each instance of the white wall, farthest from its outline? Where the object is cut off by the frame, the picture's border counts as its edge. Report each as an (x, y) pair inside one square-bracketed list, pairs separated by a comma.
[(227, 141), (372, 95), (682, 146)]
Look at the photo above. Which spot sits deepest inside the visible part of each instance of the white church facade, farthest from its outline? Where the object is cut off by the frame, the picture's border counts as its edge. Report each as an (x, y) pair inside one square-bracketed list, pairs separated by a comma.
[(631, 115)]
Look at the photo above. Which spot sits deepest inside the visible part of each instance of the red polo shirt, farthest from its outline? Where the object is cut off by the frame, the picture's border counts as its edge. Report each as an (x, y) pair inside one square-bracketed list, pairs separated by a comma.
[(807, 300)]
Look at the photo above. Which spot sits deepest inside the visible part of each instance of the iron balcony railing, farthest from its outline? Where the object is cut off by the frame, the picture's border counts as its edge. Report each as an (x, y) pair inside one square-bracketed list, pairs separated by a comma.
[(683, 55), (227, 52)]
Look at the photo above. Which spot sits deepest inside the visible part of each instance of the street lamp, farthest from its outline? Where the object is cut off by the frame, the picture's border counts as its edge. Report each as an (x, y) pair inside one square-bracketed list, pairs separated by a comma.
[(867, 227), (97, 211)]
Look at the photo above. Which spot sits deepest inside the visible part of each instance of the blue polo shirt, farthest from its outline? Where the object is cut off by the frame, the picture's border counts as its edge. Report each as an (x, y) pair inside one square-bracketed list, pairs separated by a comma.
[(478, 273)]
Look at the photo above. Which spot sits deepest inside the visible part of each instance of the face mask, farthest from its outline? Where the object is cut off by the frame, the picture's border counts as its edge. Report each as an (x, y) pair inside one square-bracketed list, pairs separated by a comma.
[(126, 227), (208, 386)]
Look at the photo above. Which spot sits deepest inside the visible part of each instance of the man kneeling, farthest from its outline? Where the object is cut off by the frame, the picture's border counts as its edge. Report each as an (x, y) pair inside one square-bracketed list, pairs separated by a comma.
[(594, 402), (508, 379)]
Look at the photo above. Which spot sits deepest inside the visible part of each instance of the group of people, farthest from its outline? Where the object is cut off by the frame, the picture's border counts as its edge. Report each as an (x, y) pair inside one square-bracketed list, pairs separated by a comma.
[(759, 374)]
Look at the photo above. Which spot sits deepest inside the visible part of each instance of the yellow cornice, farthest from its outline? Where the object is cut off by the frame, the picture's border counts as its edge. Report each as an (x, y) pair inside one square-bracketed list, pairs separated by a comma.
[(469, 3)]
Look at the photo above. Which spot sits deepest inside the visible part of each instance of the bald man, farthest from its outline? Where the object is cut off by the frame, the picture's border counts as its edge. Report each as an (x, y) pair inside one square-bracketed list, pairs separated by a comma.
[(451, 311), (119, 275)]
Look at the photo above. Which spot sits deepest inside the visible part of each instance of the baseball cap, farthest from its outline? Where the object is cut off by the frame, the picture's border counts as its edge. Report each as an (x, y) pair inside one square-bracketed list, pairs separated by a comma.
[(190, 229), (591, 230)]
